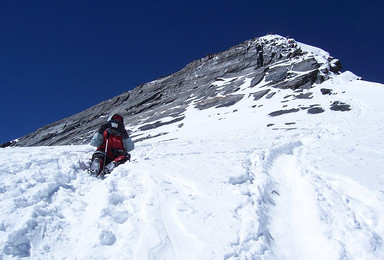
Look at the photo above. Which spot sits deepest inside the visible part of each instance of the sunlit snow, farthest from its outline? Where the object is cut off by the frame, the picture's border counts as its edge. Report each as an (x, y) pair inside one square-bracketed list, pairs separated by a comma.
[(231, 183)]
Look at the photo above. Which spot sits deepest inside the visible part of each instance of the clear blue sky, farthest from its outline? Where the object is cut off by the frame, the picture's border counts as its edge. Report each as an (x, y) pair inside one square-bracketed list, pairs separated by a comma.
[(60, 57)]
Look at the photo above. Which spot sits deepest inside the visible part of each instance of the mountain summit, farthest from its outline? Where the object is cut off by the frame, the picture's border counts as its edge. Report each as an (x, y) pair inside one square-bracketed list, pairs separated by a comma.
[(254, 69)]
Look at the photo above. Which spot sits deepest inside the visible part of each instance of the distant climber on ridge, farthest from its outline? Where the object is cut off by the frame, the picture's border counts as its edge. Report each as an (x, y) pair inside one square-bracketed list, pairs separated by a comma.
[(113, 146)]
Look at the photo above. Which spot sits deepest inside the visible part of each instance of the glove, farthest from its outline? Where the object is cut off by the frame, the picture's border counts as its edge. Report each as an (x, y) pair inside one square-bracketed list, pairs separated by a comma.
[(104, 127)]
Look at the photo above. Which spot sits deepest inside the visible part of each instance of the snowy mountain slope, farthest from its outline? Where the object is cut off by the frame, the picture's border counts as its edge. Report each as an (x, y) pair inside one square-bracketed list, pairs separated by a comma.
[(271, 63), (283, 174)]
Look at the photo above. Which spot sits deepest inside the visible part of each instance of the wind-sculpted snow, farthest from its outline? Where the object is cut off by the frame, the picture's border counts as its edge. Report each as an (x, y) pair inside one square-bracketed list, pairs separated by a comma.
[(231, 183)]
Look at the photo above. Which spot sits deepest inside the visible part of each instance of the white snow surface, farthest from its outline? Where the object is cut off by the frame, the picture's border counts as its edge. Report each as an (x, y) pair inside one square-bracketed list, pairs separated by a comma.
[(223, 186)]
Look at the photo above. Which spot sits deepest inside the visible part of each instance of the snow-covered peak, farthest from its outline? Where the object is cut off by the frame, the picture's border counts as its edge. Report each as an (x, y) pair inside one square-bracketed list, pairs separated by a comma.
[(314, 50), (327, 62), (258, 152), (269, 63)]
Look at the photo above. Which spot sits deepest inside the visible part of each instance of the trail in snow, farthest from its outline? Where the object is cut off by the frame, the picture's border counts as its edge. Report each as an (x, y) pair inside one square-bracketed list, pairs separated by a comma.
[(319, 220), (301, 213)]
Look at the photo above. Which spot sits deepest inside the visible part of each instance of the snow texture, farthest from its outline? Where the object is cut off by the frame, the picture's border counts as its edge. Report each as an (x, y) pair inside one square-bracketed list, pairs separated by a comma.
[(230, 183)]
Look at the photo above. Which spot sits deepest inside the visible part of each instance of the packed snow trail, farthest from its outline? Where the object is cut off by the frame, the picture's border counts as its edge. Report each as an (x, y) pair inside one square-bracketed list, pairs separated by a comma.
[(315, 203), (233, 189)]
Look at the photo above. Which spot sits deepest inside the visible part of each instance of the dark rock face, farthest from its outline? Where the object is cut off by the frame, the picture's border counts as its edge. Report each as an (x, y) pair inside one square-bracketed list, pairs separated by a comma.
[(315, 110), (259, 94), (9, 143), (304, 96), (340, 106), (277, 61), (217, 102), (335, 66), (285, 111), (326, 91), (159, 123)]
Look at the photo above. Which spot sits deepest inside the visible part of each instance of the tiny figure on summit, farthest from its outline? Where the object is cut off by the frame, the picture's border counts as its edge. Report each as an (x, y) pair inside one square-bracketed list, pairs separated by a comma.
[(113, 146)]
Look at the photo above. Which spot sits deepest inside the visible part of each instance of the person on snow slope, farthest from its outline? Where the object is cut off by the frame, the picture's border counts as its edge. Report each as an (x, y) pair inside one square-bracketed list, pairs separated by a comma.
[(113, 146)]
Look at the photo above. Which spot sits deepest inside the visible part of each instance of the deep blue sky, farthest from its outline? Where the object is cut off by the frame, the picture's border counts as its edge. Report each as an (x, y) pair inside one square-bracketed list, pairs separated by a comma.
[(60, 57)]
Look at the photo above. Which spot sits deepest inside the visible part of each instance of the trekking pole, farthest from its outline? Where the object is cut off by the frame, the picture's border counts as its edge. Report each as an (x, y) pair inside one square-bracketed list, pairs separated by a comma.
[(106, 149)]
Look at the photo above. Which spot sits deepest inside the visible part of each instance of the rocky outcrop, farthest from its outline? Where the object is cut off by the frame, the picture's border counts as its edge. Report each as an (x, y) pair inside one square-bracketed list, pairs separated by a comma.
[(274, 61)]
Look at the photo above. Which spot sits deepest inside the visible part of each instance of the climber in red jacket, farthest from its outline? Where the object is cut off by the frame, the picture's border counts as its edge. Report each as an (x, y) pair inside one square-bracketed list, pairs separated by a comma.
[(113, 146)]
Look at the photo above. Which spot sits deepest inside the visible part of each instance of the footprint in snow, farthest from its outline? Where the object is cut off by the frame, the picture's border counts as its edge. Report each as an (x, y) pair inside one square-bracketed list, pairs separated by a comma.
[(107, 238)]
